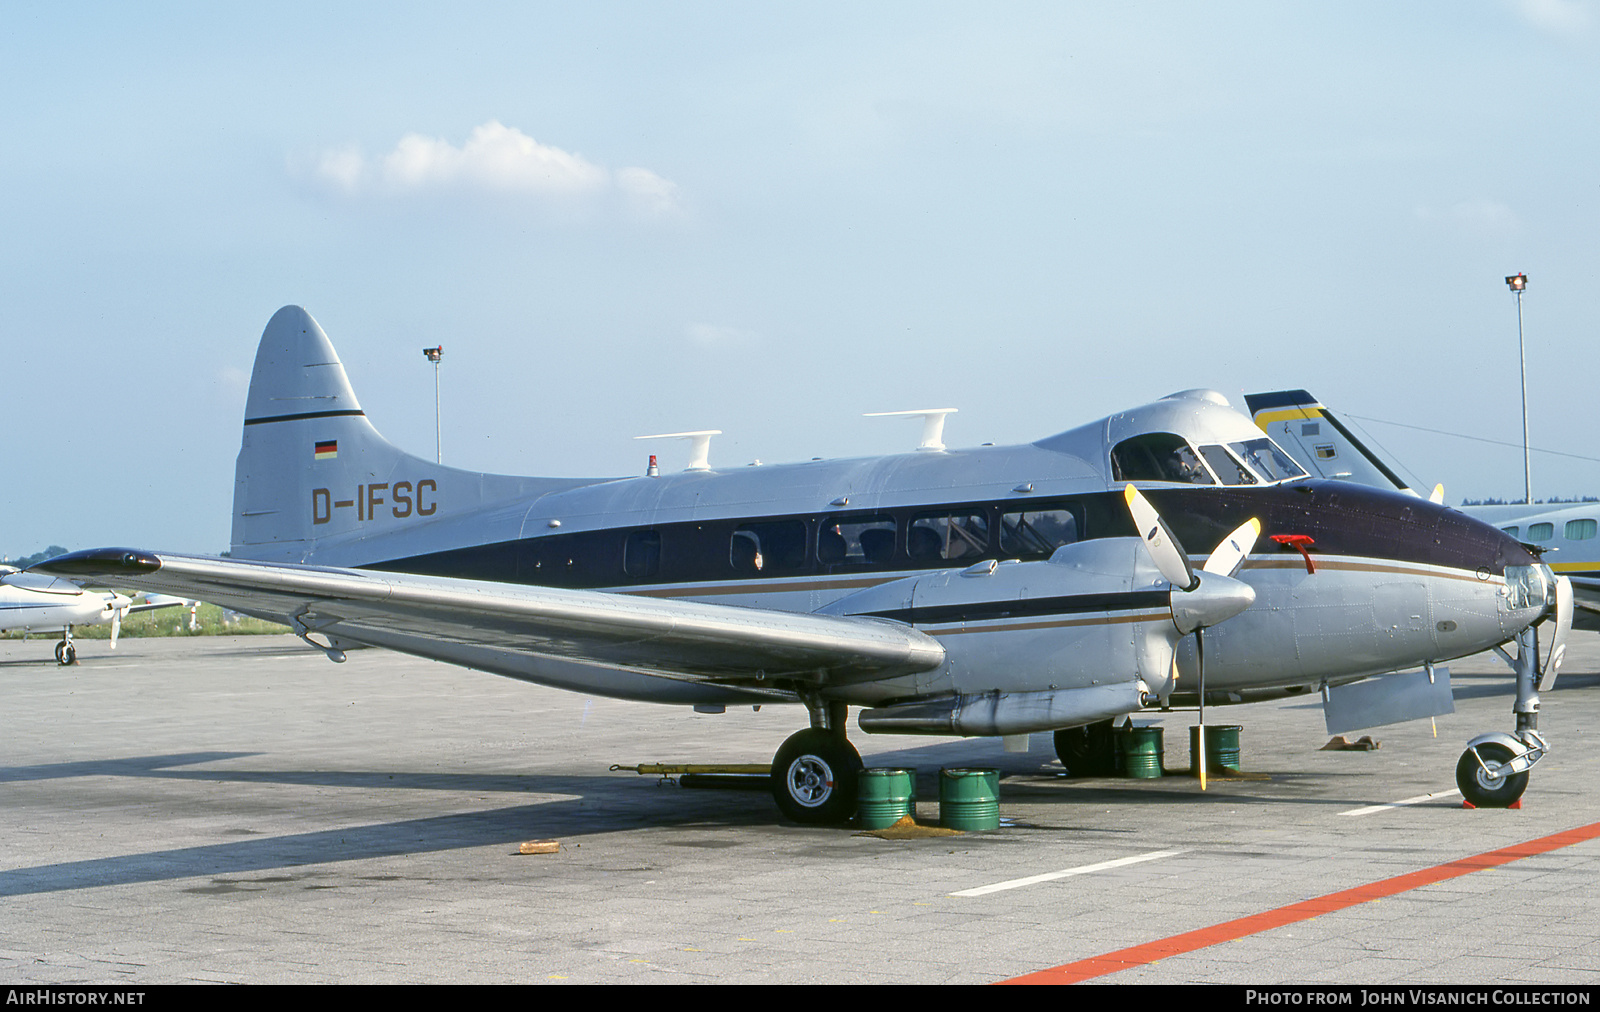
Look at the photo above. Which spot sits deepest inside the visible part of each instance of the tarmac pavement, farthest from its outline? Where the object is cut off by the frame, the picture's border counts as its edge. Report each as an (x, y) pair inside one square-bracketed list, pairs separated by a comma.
[(242, 810)]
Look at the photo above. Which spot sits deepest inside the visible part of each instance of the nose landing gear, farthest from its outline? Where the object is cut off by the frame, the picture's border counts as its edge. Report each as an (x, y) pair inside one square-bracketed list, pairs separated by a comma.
[(66, 653), (1493, 771)]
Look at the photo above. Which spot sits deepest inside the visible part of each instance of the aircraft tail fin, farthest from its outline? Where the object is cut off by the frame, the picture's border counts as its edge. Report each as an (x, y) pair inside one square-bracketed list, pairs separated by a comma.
[(316, 481), (1318, 441)]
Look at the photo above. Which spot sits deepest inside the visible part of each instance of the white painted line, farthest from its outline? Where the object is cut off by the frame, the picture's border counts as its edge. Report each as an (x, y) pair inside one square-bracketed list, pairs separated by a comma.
[(1419, 799), (1050, 876)]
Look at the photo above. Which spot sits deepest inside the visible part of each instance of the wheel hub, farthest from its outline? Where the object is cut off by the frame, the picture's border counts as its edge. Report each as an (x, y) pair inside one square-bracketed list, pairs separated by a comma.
[(810, 781)]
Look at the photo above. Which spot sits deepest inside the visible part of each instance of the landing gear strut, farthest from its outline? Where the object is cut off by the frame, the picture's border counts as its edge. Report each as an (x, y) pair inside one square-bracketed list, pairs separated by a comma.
[(815, 773)]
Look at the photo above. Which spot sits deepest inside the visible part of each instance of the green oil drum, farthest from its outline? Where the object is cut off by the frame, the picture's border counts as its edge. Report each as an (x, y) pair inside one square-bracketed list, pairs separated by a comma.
[(884, 797), (969, 799), (1222, 749), (1142, 752)]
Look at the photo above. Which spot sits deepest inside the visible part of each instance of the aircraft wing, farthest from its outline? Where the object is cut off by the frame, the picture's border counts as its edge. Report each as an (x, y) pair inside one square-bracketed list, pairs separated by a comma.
[(505, 626)]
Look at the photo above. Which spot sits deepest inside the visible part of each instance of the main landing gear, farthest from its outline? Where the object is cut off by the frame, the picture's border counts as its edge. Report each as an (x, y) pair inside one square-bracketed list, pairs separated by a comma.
[(815, 773), (1088, 751)]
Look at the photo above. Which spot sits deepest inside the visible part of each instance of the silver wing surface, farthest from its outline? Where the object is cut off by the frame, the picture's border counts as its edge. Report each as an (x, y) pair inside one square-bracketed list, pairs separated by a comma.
[(552, 635)]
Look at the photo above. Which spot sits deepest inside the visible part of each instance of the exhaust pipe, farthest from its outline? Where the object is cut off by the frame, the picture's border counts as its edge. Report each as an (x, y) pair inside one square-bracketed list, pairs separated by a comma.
[(1001, 713)]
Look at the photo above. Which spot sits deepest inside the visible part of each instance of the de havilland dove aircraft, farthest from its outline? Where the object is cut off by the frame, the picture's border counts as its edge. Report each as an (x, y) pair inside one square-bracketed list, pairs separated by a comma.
[(999, 590)]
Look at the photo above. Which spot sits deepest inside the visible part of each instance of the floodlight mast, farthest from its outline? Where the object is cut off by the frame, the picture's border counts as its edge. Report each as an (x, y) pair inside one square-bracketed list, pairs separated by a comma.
[(1519, 283), (433, 355)]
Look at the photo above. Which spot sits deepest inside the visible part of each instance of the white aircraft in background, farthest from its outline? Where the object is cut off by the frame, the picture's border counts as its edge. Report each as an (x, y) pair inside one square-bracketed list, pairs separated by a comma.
[(30, 601), (993, 591)]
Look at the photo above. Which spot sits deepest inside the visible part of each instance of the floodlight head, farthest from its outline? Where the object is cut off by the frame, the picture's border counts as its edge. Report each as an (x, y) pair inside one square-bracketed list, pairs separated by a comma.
[(1517, 282), (433, 354)]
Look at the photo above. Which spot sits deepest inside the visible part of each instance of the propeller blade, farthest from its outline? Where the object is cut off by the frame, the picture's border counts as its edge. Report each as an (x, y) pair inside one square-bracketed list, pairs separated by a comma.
[(1168, 554), (1558, 642), (1200, 665), (1437, 497), (116, 626), (1230, 555)]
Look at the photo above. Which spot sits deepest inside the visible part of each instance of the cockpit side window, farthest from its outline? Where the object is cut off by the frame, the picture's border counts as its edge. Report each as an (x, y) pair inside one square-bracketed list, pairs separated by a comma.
[(1158, 456), (1228, 469), (1266, 460)]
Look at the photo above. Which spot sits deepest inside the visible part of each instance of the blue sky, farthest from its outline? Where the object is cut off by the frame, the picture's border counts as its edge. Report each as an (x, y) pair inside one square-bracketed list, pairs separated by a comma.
[(626, 218)]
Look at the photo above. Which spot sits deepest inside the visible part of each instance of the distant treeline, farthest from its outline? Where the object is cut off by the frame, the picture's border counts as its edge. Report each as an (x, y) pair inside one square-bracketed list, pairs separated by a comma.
[(48, 553), (28, 560)]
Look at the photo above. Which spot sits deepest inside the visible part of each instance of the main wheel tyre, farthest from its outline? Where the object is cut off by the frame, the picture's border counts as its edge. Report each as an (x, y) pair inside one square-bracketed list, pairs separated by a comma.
[(72, 655), (1482, 790), (1088, 751), (814, 778), (61, 653)]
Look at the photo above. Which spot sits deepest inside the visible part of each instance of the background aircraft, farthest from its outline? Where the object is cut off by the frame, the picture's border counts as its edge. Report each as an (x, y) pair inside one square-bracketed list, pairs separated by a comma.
[(29, 601), (997, 590)]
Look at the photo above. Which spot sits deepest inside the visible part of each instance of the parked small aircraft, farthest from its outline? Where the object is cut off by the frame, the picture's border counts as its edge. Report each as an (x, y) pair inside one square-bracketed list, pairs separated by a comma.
[(998, 590), (29, 601)]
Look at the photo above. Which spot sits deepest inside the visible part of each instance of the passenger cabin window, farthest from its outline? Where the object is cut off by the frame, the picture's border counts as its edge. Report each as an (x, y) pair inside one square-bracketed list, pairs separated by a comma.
[(1513, 531), (1580, 530), (641, 555), (775, 546), (933, 537), (1541, 532), (1227, 467), (1158, 456), (1035, 535), (856, 541)]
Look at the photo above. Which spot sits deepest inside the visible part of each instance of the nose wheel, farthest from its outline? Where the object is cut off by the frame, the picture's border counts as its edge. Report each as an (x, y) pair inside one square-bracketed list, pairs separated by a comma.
[(814, 777), (1487, 778), (66, 653)]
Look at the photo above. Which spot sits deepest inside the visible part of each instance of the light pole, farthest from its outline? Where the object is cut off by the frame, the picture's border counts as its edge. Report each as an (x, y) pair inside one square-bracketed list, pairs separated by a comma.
[(435, 354), (1518, 283)]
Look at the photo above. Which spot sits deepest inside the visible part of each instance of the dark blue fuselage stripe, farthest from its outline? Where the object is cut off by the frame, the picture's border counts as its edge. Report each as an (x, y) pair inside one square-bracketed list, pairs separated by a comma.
[(1075, 604)]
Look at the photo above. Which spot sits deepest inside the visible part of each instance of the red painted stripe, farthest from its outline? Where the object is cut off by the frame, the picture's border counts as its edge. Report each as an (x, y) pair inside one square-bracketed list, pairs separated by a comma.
[(1177, 945)]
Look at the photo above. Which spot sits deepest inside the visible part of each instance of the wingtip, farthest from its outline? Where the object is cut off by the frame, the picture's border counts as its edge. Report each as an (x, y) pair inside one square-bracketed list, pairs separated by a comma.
[(100, 562)]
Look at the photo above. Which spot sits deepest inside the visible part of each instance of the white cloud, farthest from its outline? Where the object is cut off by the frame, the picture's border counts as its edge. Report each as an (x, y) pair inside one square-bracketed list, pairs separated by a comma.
[(1563, 17), (495, 159), (648, 192)]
